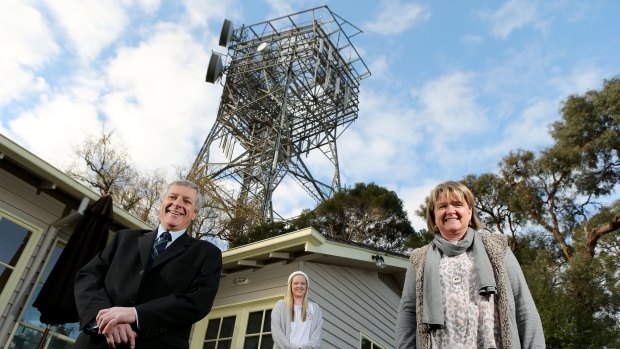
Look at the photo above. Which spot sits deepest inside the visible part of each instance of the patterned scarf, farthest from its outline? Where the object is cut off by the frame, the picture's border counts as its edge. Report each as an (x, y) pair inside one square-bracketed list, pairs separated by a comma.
[(433, 309)]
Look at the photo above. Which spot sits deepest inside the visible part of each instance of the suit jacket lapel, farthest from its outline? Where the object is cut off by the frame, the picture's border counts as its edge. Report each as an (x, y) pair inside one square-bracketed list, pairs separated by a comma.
[(178, 246), (145, 243)]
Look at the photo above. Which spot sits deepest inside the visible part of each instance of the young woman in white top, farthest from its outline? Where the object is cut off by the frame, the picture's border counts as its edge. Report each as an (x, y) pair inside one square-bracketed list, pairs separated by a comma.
[(295, 321)]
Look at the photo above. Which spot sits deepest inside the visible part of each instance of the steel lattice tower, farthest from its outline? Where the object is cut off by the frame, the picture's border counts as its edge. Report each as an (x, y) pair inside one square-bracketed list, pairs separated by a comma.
[(291, 87)]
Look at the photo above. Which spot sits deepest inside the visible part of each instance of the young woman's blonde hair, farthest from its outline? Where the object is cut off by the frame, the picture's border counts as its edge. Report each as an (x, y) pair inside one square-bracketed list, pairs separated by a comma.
[(450, 190), (290, 300)]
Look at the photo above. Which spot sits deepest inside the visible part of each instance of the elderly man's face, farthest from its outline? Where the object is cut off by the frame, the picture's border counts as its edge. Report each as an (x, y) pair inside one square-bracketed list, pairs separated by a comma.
[(178, 208)]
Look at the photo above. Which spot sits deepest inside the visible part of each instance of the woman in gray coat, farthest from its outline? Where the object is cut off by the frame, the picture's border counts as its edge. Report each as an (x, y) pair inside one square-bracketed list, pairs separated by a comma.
[(295, 321), (465, 289)]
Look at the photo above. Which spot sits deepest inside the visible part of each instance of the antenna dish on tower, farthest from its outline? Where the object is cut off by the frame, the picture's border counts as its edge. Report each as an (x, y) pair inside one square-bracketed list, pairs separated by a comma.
[(226, 34), (215, 68), (261, 47)]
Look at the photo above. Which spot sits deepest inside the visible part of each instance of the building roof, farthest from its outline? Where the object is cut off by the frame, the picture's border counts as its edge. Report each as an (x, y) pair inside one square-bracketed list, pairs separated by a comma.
[(48, 178), (305, 244), (309, 245)]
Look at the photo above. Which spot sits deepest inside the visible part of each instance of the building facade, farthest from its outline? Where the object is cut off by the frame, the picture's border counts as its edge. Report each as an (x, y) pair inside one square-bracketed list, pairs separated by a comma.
[(39, 207), (357, 288)]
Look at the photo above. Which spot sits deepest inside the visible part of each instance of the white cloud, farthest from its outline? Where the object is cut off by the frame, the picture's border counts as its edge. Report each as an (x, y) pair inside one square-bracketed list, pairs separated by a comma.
[(52, 129), (380, 67), (158, 102), (289, 198), (413, 197), (396, 17), (90, 25), (580, 80), (27, 45), (149, 6), (529, 127), (280, 8), (452, 126), (528, 130), (450, 109), (200, 12), (513, 15), (378, 144), (473, 39)]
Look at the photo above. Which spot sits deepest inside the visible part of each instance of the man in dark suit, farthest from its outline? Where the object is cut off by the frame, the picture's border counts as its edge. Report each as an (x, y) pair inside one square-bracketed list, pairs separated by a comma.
[(130, 296)]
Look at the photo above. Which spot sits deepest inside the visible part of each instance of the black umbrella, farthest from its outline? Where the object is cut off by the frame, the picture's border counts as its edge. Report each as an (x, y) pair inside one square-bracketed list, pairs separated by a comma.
[(56, 301)]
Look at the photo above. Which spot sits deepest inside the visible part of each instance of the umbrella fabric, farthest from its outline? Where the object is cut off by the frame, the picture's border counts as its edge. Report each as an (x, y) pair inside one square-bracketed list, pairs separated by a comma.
[(56, 300)]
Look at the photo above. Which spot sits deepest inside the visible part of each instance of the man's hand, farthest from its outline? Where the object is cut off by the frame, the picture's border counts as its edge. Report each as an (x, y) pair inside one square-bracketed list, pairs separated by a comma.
[(119, 334), (110, 317)]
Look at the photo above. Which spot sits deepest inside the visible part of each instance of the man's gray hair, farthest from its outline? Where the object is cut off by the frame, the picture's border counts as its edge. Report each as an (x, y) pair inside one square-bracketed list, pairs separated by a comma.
[(190, 184)]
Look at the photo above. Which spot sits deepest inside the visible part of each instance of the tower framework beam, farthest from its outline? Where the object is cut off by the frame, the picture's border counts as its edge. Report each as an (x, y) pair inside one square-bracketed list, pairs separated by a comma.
[(291, 89)]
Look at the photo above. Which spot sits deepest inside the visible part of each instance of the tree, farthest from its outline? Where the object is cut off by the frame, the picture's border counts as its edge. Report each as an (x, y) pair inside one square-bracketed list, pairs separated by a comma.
[(496, 205), (105, 168), (366, 213), (263, 231), (546, 188), (590, 130), (589, 322), (220, 218), (556, 204)]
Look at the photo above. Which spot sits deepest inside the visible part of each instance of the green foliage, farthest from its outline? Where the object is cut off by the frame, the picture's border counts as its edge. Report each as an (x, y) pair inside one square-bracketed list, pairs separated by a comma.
[(261, 232), (566, 240), (419, 239), (590, 131), (575, 305), (366, 213), (496, 204)]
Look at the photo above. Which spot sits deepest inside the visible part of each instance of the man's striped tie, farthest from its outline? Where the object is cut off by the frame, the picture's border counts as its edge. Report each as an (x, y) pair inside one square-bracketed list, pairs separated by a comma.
[(160, 244)]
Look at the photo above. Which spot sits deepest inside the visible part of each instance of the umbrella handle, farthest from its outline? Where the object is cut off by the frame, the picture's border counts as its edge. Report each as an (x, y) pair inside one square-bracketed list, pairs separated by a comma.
[(44, 337)]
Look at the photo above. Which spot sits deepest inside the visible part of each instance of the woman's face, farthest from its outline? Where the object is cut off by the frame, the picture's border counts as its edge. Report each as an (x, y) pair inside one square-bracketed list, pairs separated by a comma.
[(299, 286), (452, 217)]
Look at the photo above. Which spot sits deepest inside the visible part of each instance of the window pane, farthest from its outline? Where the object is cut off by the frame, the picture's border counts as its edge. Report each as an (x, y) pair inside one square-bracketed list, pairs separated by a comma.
[(251, 343), (14, 238), (25, 338), (212, 328), (209, 345), (366, 344), (57, 343), (228, 326), (70, 330), (254, 321), (266, 342), (32, 315), (267, 321), (51, 263), (225, 344), (5, 273)]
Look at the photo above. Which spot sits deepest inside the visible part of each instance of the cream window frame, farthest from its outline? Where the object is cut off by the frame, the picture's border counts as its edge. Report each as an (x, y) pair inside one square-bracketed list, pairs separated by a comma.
[(241, 312), (374, 343), (27, 254), (52, 333)]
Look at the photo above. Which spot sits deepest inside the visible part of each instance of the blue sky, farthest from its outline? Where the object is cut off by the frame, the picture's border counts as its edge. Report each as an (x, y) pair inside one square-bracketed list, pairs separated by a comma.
[(455, 85)]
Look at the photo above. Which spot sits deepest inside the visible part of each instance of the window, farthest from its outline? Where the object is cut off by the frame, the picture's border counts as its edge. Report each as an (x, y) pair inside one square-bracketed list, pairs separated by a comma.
[(239, 326), (367, 343), (219, 333), (14, 239), (30, 331), (258, 330)]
